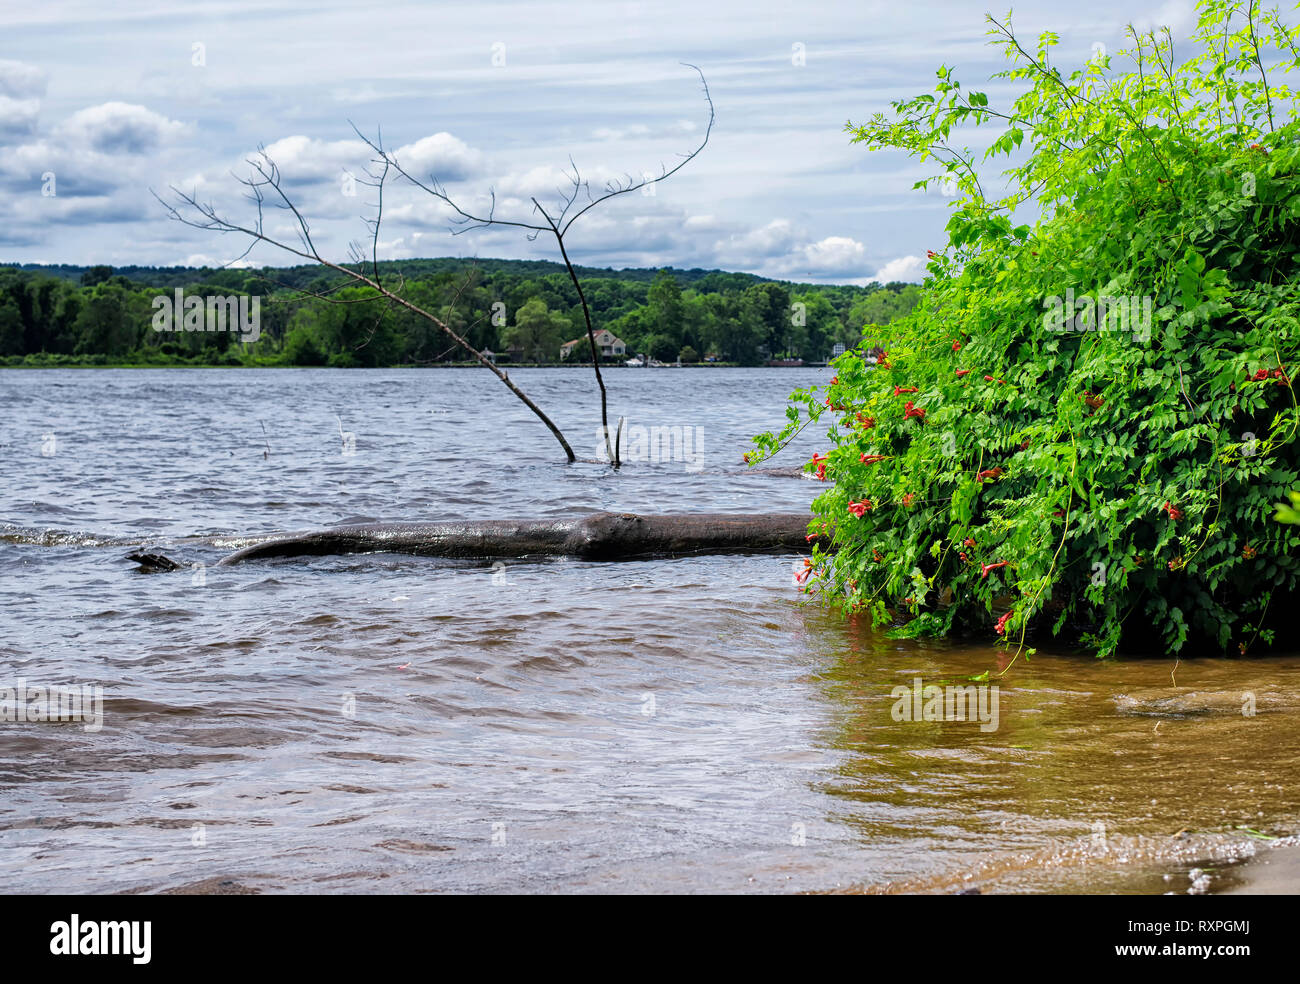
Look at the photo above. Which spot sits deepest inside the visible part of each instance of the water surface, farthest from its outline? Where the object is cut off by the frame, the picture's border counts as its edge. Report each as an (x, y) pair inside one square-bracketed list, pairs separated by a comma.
[(382, 723)]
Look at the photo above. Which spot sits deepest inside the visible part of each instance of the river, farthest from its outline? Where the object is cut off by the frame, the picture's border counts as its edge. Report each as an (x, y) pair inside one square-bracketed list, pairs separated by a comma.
[(384, 723)]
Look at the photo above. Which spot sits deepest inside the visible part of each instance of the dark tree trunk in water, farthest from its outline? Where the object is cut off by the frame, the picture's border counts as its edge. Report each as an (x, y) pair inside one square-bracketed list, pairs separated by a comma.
[(599, 536)]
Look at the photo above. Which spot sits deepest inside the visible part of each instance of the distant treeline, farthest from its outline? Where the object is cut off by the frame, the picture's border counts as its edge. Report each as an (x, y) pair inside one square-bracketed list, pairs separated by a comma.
[(521, 310)]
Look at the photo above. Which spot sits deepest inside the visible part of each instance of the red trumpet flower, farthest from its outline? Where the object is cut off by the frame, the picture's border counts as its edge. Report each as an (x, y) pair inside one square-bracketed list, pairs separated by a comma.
[(870, 459), (912, 411), (1000, 626), (859, 509), (907, 499), (985, 568), (1174, 511), (962, 372), (900, 390), (866, 422), (989, 473)]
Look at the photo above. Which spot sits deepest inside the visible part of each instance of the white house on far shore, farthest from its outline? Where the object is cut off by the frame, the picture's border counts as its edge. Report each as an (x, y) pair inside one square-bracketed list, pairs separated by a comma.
[(607, 342)]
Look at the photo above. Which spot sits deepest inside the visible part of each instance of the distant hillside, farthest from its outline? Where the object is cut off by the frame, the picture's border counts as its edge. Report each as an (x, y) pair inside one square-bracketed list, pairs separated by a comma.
[(300, 276), (523, 311)]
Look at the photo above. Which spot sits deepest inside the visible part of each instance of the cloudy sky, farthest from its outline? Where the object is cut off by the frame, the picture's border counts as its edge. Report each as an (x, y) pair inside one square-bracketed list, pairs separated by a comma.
[(102, 104)]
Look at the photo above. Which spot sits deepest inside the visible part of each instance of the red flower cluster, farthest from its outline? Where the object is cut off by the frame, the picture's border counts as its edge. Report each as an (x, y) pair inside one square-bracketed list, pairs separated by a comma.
[(912, 411), (907, 499), (859, 509), (930, 254), (1248, 552), (900, 390), (1000, 626), (968, 542), (1174, 511), (1277, 374), (956, 346), (820, 461), (866, 422), (802, 575), (994, 473), (962, 372), (870, 459)]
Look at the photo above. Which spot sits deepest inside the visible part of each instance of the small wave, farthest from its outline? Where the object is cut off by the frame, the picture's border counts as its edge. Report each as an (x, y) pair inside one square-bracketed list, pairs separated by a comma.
[(44, 537)]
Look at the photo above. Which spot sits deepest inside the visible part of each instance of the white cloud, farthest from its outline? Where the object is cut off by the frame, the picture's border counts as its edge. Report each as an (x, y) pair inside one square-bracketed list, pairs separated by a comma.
[(204, 260), (1177, 15), (834, 254), (908, 269), (753, 247), (119, 128), (18, 116), (442, 156), (302, 159), (20, 80)]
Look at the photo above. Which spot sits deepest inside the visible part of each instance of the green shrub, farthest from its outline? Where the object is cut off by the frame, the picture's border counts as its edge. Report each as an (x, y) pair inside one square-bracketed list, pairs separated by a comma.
[(1008, 468)]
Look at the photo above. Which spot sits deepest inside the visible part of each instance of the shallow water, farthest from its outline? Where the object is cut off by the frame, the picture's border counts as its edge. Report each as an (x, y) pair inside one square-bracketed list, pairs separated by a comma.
[(384, 723)]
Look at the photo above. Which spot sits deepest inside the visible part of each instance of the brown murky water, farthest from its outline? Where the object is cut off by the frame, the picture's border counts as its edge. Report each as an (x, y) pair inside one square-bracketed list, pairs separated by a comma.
[(398, 724), (1101, 776)]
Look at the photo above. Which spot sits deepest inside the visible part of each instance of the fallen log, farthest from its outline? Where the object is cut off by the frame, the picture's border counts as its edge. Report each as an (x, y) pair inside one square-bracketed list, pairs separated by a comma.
[(599, 536)]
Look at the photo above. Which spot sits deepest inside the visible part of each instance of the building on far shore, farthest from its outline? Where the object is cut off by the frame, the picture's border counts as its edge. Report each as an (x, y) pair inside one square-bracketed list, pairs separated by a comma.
[(609, 345)]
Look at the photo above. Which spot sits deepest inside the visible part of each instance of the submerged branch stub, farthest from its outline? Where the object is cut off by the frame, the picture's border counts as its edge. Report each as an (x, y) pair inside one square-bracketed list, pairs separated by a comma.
[(598, 536)]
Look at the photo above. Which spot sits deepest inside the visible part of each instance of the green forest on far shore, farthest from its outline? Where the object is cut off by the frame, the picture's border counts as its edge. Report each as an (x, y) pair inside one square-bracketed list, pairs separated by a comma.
[(520, 310)]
